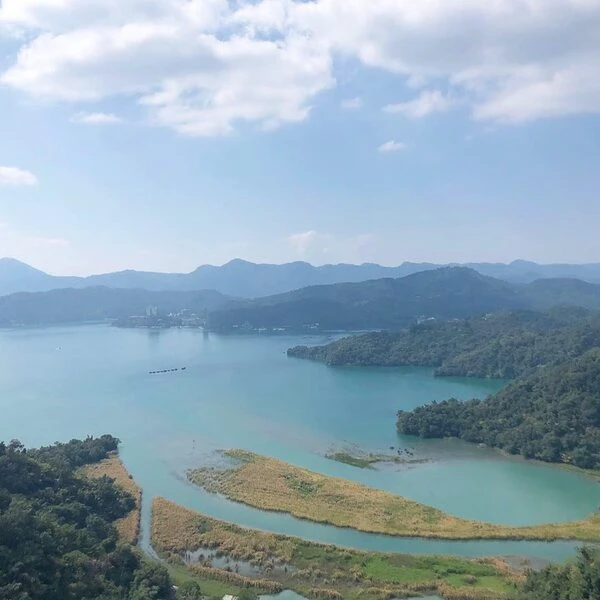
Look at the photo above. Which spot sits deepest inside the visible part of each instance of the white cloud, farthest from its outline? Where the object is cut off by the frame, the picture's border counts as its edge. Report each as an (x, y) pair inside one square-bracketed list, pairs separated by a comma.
[(13, 176), (426, 103), (97, 118), (205, 66), (392, 146), (168, 55), (510, 60), (302, 242), (352, 104)]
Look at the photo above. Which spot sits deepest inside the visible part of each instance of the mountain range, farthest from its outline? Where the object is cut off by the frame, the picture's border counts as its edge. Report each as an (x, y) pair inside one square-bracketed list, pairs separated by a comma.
[(444, 293), (389, 303), (244, 279)]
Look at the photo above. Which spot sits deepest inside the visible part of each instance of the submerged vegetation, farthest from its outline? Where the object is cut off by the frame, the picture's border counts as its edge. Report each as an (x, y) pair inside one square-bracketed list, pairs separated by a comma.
[(270, 484), (365, 461), (57, 534), (552, 415), (369, 460), (322, 571)]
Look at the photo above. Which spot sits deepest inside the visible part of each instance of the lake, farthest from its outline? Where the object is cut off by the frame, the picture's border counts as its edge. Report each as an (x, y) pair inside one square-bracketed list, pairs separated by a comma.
[(243, 391)]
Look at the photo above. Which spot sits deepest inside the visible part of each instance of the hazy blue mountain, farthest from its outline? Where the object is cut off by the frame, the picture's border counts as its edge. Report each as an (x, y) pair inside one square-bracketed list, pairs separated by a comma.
[(98, 304), (16, 276), (245, 279), (445, 293)]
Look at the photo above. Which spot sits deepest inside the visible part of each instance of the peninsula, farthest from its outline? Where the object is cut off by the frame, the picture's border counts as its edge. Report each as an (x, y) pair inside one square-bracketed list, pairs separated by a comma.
[(271, 484)]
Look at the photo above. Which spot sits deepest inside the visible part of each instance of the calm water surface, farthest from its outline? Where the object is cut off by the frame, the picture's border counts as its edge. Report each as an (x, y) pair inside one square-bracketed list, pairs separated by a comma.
[(60, 383)]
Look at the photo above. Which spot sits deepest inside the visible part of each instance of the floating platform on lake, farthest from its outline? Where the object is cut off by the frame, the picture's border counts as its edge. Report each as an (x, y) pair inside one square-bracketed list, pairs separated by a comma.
[(166, 371)]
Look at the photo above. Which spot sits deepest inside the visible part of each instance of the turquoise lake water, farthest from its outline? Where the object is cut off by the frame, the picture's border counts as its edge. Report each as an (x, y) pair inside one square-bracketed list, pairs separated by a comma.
[(60, 383)]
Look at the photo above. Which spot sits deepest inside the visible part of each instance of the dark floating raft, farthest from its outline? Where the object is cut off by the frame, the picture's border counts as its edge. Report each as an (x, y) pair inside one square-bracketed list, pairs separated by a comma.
[(166, 371)]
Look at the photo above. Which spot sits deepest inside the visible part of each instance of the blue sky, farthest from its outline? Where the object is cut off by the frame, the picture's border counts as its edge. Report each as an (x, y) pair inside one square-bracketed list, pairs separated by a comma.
[(165, 134)]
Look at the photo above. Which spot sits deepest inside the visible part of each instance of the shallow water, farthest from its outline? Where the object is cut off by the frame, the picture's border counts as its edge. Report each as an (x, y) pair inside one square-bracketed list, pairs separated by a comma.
[(60, 383)]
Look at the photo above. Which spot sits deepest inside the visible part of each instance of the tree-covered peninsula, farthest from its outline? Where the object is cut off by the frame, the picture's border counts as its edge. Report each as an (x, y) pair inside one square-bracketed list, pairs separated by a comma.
[(551, 415), (57, 538), (501, 345)]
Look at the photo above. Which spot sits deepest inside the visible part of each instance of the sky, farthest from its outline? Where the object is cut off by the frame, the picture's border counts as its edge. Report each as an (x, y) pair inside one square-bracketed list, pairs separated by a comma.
[(165, 134)]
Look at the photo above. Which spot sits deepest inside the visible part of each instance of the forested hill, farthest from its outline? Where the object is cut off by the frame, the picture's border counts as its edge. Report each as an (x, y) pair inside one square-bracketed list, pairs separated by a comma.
[(98, 304), (501, 345), (57, 541), (449, 293), (552, 415)]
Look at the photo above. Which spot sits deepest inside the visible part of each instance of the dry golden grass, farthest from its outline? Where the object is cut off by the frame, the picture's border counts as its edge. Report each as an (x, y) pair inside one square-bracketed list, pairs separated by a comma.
[(238, 580), (176, 529), (271, 484), (128, 527), (314, 569)]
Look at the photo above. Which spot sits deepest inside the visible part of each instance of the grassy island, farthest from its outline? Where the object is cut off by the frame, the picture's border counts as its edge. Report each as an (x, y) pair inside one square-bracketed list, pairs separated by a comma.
[(270, 484), (368, 461), (317, 570)]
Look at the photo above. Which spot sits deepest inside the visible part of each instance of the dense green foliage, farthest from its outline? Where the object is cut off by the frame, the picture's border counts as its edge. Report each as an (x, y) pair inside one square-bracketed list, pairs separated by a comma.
[(502, 345), (57, 541), (552, 415), (449, 293), (579, 580)]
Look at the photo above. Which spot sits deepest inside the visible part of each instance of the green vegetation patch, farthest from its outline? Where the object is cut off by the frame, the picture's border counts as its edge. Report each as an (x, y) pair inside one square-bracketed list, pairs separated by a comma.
[(362, 462), (270, 484)]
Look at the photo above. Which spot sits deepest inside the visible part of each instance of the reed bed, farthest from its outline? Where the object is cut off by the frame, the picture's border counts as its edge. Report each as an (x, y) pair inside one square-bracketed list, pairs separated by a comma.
[(264, 585), (129, 526), (318, 570), (270, 484)]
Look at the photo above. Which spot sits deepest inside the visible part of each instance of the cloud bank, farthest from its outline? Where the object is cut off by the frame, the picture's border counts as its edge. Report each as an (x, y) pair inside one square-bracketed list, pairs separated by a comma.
[(207, 67)]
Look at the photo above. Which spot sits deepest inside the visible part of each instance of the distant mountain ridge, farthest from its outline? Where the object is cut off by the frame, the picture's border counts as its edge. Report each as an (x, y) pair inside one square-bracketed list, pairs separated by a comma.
[(250, 280)]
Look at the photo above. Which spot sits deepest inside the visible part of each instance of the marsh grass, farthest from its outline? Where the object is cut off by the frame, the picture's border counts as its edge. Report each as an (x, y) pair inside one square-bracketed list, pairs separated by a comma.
[(368, 461), (129, 526), (318, 570), (270, 484)]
